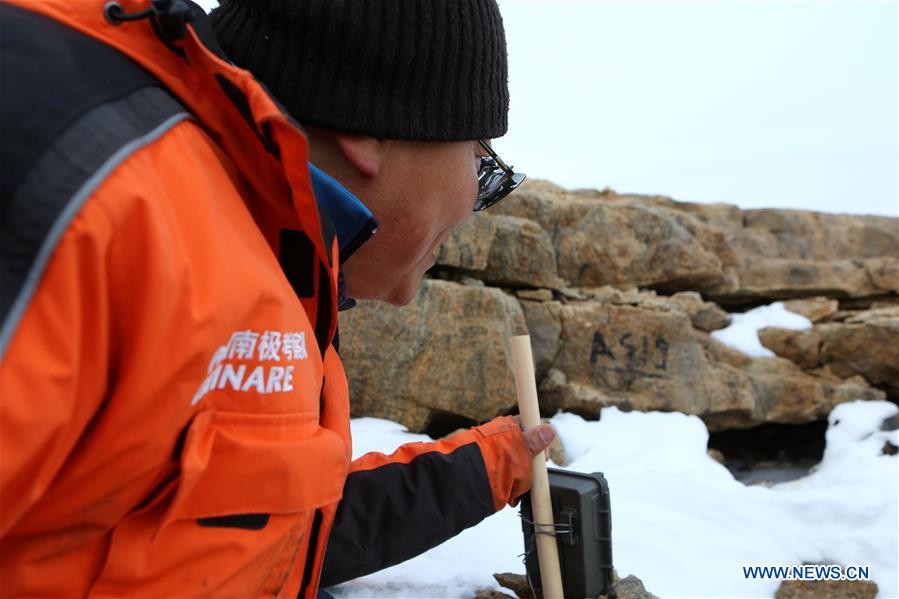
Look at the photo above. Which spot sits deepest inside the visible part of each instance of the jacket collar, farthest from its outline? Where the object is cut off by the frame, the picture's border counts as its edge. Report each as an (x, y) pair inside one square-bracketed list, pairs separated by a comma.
[(353, 221)]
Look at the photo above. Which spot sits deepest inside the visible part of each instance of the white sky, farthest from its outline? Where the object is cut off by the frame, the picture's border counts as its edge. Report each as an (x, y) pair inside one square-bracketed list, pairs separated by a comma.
[(784, 104), (788, 103)]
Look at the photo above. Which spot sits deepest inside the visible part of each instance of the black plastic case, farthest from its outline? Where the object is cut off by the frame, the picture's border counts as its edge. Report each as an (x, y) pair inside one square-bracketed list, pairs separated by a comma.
[(580, 505)]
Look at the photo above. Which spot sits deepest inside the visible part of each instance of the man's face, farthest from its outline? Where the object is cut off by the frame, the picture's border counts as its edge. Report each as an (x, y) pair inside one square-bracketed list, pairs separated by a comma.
[(419, 193)]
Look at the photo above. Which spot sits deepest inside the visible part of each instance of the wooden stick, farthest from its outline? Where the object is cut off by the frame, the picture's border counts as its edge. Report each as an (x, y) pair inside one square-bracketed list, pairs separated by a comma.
[(541, 505)]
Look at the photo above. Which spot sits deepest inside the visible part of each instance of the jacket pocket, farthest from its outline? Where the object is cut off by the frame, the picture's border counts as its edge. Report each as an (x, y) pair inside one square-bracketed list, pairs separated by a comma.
[(238, 519), (239, 463)]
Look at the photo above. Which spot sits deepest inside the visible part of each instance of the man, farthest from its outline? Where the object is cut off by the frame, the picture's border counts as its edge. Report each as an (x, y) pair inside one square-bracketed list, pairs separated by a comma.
[(369, 82), (174, 417)]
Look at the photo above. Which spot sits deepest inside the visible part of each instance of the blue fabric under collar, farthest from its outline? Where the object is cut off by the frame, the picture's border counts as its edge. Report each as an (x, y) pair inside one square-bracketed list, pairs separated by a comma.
[(352, 220)]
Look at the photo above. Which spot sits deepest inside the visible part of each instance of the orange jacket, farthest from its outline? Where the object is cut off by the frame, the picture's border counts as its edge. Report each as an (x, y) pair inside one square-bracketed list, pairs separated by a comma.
[(174, 417)]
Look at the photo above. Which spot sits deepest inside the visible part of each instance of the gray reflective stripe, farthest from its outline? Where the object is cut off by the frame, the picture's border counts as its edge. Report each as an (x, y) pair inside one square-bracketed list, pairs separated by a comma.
[(65, 177)]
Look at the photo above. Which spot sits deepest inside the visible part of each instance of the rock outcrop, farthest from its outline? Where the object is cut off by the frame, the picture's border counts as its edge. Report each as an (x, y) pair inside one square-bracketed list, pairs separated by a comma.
[(864, 344), (440, 355), (733, 256), (619, 294), (640, 351), (815, 309), (612, 240)]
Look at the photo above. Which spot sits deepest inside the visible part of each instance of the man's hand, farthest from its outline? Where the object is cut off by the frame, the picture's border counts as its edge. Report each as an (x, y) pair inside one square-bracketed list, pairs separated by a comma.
[(539, 438)]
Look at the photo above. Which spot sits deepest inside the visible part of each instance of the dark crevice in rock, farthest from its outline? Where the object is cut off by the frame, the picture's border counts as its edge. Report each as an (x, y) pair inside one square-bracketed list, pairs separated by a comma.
[(666, 290), (866, 303), (735, 305), (742, 303), (447, 273), (672, 286), (461, 275), (442, 424), (771, 452), (512, 411), (587, 413)]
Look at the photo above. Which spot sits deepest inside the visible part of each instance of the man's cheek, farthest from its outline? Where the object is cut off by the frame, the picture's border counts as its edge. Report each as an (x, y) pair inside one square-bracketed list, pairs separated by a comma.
[(464, 206)]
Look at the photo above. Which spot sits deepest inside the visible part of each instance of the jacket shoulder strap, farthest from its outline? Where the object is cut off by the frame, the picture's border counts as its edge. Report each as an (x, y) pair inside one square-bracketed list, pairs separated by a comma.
[(73, 109)]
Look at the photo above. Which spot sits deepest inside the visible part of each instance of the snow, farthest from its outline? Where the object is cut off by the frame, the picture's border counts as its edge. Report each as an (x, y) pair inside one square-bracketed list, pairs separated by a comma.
[(742, 334), (681, 522), (377, 434)]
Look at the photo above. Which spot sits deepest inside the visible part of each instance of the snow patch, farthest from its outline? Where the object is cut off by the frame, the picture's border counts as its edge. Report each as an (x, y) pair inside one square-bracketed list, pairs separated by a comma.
[(680, 521), (742, 334)]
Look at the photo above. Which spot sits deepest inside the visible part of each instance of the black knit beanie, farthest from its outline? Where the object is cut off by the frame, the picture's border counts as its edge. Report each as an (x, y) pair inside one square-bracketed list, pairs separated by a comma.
[(399, 69)]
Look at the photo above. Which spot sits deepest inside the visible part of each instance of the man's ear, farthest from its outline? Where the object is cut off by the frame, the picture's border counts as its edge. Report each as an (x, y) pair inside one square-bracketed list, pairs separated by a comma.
[(364, 153)]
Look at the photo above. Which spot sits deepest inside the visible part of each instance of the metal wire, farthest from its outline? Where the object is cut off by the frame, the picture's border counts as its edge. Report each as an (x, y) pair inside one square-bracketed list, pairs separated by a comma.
[(531, 543)]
